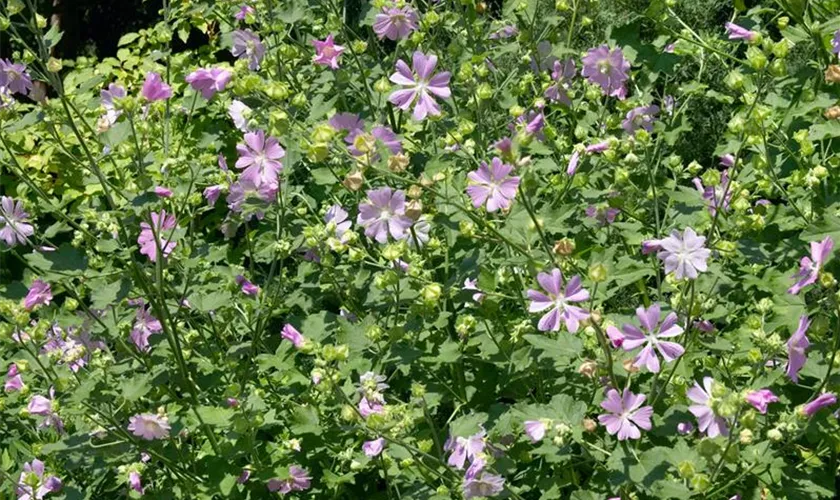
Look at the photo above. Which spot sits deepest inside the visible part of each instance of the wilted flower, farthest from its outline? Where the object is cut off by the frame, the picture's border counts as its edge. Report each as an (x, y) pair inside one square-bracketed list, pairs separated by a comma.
[(479, 483), (464, 448), (373, 448), (114, 91), (562, 75), (559, 301), (238, 112), (212, 193), (535, 429), (493, 185), (651, 335), (298, 480), (208, 81), (149, 426), (260, 157), (154, 89), (640, 117), (823, 400), (608, 69), (384, 214), (44, 407), (291, 334), (135, 482), (736, 32), (760, 399), (809, 268), (327, 52), (714, 195), (626, 415), (604, 216), (247, 287), (14, 227), (145, 325), (34, 484), (147, 241), (504, 32), (684, 254), (573, 163), (707, 420), (14, 382), (14, 78), (39, 293), (395, 23), (796, 347), (419, 84), (247, 45)]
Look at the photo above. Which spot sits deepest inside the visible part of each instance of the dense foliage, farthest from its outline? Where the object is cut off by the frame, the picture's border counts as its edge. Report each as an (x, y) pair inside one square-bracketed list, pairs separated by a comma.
[(423, 250)]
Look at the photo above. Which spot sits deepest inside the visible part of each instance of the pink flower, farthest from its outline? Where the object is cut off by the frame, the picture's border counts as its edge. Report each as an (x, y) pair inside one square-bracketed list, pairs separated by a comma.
[(135, 482), (535, 429), (598, 147), (558, 301), (419, 84), (247, 287), (607, 69), (14, 382), (244, 11), (239, 112), (493, 185), (562, 75), (626, 415), (573, 163), (162, 192), (384, 214), (260, 157), (760, 399), (464, 448), (684, 428), (291, 334), (34, 484), (651, 335), (616, 336), (395, 23), (684, 254), (369, 407), (212, 193), (727, 160), (823, 400), (148, 239), (796, 346), (809, 268), (14, 227), (42, 406), (714, 195), (298, 480), (149, 426), (736, 32), (154, 89), (381, 134), (39, 294), (145, 325), (471, 284), (604, 216), (247, 45), (479, 483), (14, 78), (327, 52), (707, 420), (337, 223), (114, 91), (208, 81), (373, 448), (640, 117)]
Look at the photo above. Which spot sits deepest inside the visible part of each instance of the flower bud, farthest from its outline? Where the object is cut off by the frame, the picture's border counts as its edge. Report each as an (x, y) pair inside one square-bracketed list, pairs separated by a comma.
[(383, 86), (354, 180), (832, 113), (629, 367), (745, 437), (54, 65), (686, 469), (782, 22), (414, 209), (398, 163), (431, 293), (775, 434), (564, 247), (414, 192), (598, 273), (588, 368), (484, 91), (589, 425), (701, 482)]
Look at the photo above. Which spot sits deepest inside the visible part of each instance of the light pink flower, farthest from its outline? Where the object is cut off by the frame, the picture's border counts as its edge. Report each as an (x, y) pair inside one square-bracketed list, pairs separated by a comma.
[(492, 185), (684, 254), (796, 347), (384, 214), (760, 399), (163, 226), (327, 52), (736, 32), (559, 302), (821, 401), (247, 287), (208, 81), (39, 293), (464, 448), (809, 268), (14, 226), (650, 336), (395, 23), (291, 334), (14, 382), (145, 325), (535, 429), (707, 420), (419, 85), (626, 415), (373, 448), (154, 89), (298, 480), (149, 426), (34, 473), (260, 157), (247, 45)]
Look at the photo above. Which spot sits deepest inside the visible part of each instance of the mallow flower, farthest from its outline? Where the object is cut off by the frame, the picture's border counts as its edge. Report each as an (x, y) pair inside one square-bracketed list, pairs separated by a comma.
[(327, 52), (208, 81), (821, 401), (154, 88), (35, 483), (14, 222), (714, 195), (149, 426), (493, 185), (797, 344), (464, 448), (259, 156), (535, 430), (163, 224), (247, 45), (14, 381), (558, 301), (145, 325), (384, 214), (707, 421), (650, 336), (373, 448), (640, 117), (239, 113), (626, 414), (607, 69), (684, 254), (107, 97), (479, 483), (760, 399), (736, 32), (419, 83), (395, 23), (39, 293), (14, 77), (562, 75), (46, 407), (299, 480), (809, 268), (291, 334)]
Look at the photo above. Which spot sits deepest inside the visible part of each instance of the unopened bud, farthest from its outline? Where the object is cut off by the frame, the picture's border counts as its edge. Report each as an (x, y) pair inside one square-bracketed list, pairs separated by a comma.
[(589, 425), (415, 192), (398, 163), (832, 113), (414, 209), (588, 368), (629, 366), (354, 181), (564, 247)]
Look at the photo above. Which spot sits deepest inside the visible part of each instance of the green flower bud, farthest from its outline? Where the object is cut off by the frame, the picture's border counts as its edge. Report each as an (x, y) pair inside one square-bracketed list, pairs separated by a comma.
[(734, 80), (778, 68), (431, 293), (756, 58), (775, 434), (711, 178), (686, 469), (484, 91), (782, 22), (598, 273), (383, 86)]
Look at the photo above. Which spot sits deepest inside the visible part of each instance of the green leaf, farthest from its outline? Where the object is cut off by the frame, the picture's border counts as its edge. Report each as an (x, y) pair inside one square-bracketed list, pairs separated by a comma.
[(127, 39), (562, 348), (104, 295), (215, 416), (209, 302), (305, 420), (467, 425), (136, 387)]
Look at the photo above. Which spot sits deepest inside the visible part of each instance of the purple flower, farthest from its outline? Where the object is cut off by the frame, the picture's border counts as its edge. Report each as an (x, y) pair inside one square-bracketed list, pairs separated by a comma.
[(607, 69), (291, 334), (760, 399), (247, 45), (535, 429), (212, 193), (135, 482), (42, 406), (260, 157), (651, 335), (381, 134), (616, 336), (640, 117), (240, 191), (39, 294), (298, 480), (598, 147), (347, 121), (114, 91), (464, 448), (14, 229), (162, 192), (244, 12), (471, 284), (530, 124), (796, 346), (823, 400), (338, 224), (479, 483), (558, 301), (604, 216), (149, 426), (736, 32), (493, 185), (562, 75), (626, 415), (727, 160), (419, 85), (369, 407), (384, 214), (145, 325), (395, 23), (34, 484), (809, 268), (371, 387), (504, 32), (714, 195), (707, 420), (247, 287), (154, 89), (148, 244), (208, 81), (684, 254), (14, 382), (835, 43), (327, 52), (244, 476), (573, 163), (239, 112), (373, 448), (684, 428), (14, 78)]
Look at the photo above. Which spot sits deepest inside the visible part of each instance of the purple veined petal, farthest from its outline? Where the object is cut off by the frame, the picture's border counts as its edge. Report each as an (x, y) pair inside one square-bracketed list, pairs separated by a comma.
[(633, 332), (508, 187), (424, 65), (482, 175), (439, 85), (539, 301), (612, 403), (647, 358), (611, 422), (642, 417), (668, 325), (550, 321), (649, 317), (478, 194), (425, 106), (573, 316), (552, 283), (670, 350), (697, 395), (402, 98)]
